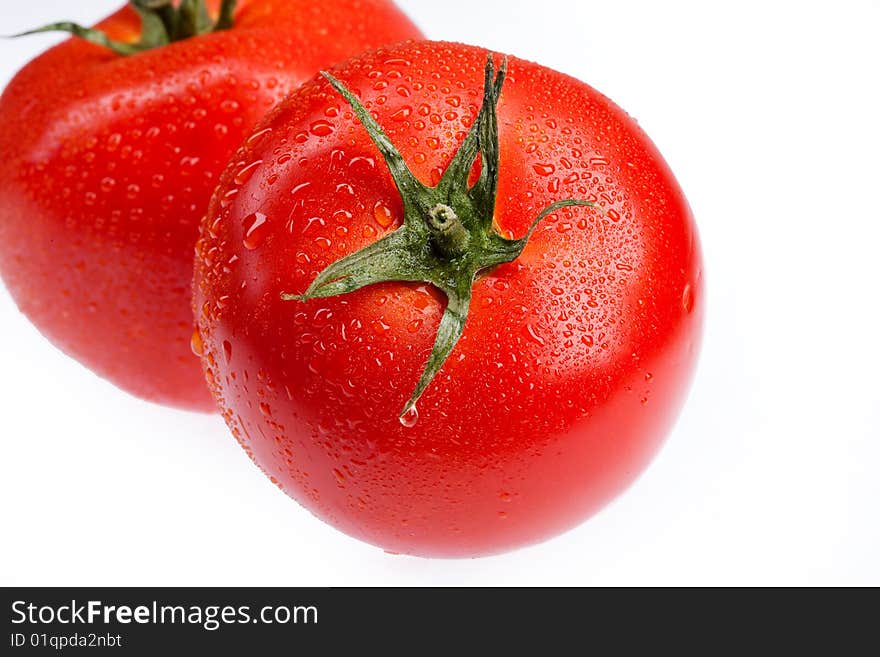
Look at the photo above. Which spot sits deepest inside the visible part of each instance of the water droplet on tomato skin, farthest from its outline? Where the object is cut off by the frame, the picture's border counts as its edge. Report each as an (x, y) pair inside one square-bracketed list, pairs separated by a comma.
[(245, 173), (380, 327), (255, 138), (196, 344), (532, 335), (544, 169), (687, 298), (321, 128), (402, 113), (382, 214), (255, 230), (410, 417)]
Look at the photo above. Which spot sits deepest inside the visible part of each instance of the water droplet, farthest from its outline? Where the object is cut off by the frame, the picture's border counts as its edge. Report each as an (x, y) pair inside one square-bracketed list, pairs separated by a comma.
[(544, 169), (255, 138), (402, 113), (342, 216), (504, 496), (360, 160), (340, 478), (321, 128), (598, 161), (623, 267), (265, 409), (380, 327), (244, 174), (227, 350), (195, 343), (410, 417), (299, 187), (648, 376), (382, 214), (532, 335), (255, 228), (227, 198), (687, 298)]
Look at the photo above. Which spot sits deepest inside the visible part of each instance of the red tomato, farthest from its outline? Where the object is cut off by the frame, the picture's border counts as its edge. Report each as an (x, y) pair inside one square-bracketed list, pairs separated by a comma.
[(109, 162), (575, 356)]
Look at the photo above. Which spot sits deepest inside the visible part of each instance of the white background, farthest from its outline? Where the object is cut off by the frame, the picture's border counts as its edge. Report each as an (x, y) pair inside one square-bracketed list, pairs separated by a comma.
[(768, 113)]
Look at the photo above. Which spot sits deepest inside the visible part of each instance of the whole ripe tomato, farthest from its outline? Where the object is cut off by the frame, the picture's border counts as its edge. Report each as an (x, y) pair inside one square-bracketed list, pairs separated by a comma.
[(575, 355), (109, 162)]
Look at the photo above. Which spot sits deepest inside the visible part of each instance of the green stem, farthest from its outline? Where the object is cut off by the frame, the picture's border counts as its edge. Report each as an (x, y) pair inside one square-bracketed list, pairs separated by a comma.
[(455, 219), (227, 10), (161, 23)]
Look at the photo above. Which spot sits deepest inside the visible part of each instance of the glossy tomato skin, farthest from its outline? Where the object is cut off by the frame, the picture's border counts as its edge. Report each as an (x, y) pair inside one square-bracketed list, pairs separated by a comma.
[(109, 162), (575, 358)]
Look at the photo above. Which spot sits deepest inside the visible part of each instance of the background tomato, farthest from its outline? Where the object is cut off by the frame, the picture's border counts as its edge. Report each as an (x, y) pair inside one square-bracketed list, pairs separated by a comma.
[(109, 162), (575, 357)]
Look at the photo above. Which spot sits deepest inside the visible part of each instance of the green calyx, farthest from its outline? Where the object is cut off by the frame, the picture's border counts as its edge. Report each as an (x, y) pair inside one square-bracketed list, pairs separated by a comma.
[(447, 237), (162, 22)]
